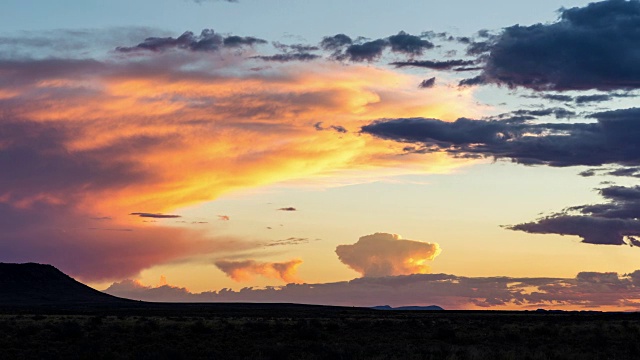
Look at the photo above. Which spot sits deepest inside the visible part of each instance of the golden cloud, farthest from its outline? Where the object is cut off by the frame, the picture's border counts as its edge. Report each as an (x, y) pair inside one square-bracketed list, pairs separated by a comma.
[(383, 254)]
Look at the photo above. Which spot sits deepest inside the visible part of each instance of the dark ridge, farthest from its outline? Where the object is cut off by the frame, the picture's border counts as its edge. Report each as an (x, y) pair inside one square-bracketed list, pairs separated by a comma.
[(409, 308), (36, 284)]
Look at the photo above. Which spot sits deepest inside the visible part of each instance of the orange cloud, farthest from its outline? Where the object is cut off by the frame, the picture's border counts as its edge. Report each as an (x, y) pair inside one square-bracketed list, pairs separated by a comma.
[(155, 133), (384, 254), (246, 270)]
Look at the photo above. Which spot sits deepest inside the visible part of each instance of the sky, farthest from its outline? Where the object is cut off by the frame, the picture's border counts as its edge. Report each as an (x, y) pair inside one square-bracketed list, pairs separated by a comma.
[(465, 154)]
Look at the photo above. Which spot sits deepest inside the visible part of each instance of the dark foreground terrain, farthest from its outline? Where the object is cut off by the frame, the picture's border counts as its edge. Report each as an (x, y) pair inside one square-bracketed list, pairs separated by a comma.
[(45, 314), (260, 331)]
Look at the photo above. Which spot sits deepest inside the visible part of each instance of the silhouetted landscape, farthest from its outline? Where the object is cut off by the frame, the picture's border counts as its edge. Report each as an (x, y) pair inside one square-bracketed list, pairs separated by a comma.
[(47, 315)]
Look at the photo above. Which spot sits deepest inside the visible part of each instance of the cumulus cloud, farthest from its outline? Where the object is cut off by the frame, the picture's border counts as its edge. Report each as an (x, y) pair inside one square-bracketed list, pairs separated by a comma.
[(608, 141), (246, 270), (383, 254), (590, 47), (586, 291)]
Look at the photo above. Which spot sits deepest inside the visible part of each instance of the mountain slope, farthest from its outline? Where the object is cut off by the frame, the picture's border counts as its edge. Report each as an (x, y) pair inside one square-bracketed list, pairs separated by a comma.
[(37, 284)]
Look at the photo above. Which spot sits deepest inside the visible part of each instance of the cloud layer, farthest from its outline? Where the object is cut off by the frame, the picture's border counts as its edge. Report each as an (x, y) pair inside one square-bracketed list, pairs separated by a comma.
[(587, 291)]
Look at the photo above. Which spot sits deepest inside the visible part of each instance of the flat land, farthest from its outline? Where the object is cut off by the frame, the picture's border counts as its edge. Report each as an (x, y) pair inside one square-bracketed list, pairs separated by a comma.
[(281, 331)]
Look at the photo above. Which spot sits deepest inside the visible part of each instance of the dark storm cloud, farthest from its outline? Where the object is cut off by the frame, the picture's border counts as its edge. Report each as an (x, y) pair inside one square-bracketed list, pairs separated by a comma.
[(611, 140), (592, 47), (436, 65), (427, 83), (155, 216), (288, 57), (208, 40)]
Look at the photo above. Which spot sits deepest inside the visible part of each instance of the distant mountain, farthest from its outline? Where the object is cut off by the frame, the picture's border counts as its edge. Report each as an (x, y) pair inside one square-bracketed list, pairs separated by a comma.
[(37, 284), (428, 308)]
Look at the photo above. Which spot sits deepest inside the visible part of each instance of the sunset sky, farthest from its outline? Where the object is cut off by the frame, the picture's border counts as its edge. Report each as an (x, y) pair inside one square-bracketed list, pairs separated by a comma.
[(467, 154)]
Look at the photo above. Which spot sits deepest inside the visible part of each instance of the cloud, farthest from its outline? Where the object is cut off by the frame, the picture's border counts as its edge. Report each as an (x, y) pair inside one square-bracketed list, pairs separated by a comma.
[(288, 209), (590, 47), (383, 254), (223, 217), (134, 289), (586, 291), (64, 236), (592, 230), (409, 44), (247, 269), (367, 51), (335, 42), (608, 141), (337, 128), (436, 65), (427, 83), (344, 48), (155, 216), (288, 57), (204, 1), (84, 135), (208, 40), (288, 241), (612, 223)]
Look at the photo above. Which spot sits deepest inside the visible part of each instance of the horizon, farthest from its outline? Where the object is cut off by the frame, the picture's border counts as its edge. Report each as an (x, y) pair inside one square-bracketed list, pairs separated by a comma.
[(465, 155)]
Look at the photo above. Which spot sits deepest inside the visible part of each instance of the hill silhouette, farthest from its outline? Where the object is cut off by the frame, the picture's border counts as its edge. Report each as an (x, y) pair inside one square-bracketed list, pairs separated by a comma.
[(37, 284)]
